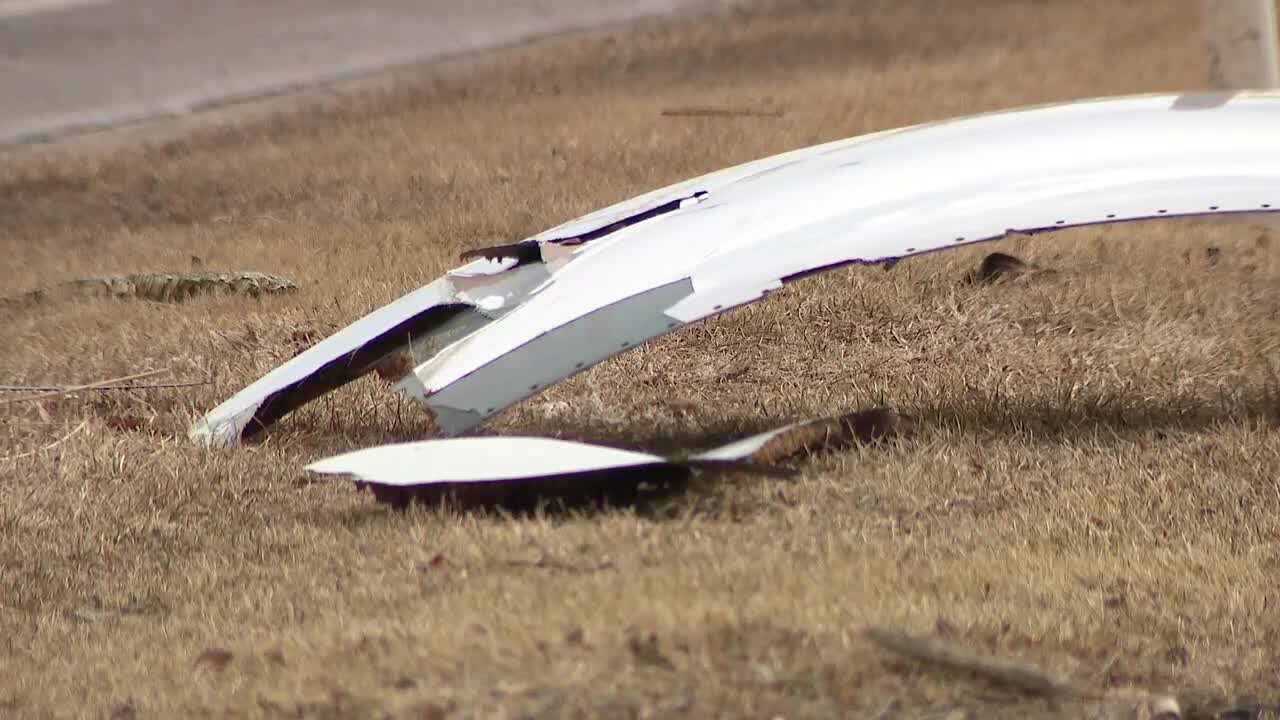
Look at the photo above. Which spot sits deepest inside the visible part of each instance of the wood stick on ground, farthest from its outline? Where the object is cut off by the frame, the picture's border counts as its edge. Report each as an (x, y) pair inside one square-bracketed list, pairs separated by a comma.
[(1006, 672), (91, 386), (719, 112), (1020, 676), (100, 388)]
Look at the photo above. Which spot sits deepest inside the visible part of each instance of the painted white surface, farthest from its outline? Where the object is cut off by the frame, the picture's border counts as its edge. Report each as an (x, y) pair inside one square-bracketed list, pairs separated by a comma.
[(894, 195), (479, 459), (868, 199)]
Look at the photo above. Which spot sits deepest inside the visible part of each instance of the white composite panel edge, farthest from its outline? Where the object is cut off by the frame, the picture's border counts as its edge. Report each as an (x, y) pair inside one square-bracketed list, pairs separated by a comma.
[(224, 424), (478, 459), (897, 194), (710, 182), (740, 450)]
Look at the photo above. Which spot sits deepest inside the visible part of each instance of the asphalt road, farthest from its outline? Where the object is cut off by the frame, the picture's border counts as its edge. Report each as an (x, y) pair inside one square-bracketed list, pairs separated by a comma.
[(69, 66)]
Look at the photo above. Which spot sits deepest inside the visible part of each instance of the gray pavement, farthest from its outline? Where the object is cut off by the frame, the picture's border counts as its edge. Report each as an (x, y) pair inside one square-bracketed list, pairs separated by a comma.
[(69, 66)]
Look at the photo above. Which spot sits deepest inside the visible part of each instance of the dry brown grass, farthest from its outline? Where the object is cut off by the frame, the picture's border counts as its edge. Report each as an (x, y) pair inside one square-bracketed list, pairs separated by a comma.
[(1092, 485)]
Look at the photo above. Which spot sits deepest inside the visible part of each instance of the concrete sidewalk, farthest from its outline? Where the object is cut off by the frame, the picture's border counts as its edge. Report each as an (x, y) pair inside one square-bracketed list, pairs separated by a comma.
[(71, 66)]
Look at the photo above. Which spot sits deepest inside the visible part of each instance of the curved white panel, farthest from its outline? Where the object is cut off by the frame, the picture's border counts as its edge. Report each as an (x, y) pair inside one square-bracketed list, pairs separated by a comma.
[(622, 275), (868, 200)]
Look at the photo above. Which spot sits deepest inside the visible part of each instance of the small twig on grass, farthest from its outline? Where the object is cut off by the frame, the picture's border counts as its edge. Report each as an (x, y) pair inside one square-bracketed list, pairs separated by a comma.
[(1006, 672), (1026, 678), (102, 388), (50, 446), (719, 112), (550, 564), (71, 389)]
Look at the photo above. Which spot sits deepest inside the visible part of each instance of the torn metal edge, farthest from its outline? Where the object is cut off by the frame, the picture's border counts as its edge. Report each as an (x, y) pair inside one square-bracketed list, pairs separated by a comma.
[(460, 400), (808, 437), (243, 414), (451, 387), (433, 469), (622, 486), (392, 339), (562, 351), (398, 336), (514, 473)]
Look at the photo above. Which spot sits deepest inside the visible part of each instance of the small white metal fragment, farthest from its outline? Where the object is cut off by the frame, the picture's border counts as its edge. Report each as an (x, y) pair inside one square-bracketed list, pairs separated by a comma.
[(808, 436), (478, 459), (459, 462), (740, 450)]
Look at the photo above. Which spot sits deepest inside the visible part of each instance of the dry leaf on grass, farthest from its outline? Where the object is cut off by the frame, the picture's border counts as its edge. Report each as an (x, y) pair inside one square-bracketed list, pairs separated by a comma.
[(126, 423), (645, 651), (997, 267), (214, 657), (437, 562)]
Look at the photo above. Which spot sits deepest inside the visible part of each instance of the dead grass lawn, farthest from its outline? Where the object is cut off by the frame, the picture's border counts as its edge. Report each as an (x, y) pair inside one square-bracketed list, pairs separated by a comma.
[(1092, 487)]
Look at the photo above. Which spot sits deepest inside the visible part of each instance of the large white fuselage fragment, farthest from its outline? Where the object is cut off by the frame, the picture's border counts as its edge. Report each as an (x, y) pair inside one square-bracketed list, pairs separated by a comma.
[(871, 199), (544, 309)]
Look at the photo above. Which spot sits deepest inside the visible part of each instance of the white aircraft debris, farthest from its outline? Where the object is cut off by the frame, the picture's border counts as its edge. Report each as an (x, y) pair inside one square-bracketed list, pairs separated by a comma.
[(518, 471), (511, 472), (522, 317)]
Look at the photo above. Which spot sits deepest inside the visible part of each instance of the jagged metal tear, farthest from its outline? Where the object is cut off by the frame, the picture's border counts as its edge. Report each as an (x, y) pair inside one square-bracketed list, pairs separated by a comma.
[(730, 238), (417, 326), (872, 199), (497, 459), (434, 316), (551, 357)]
